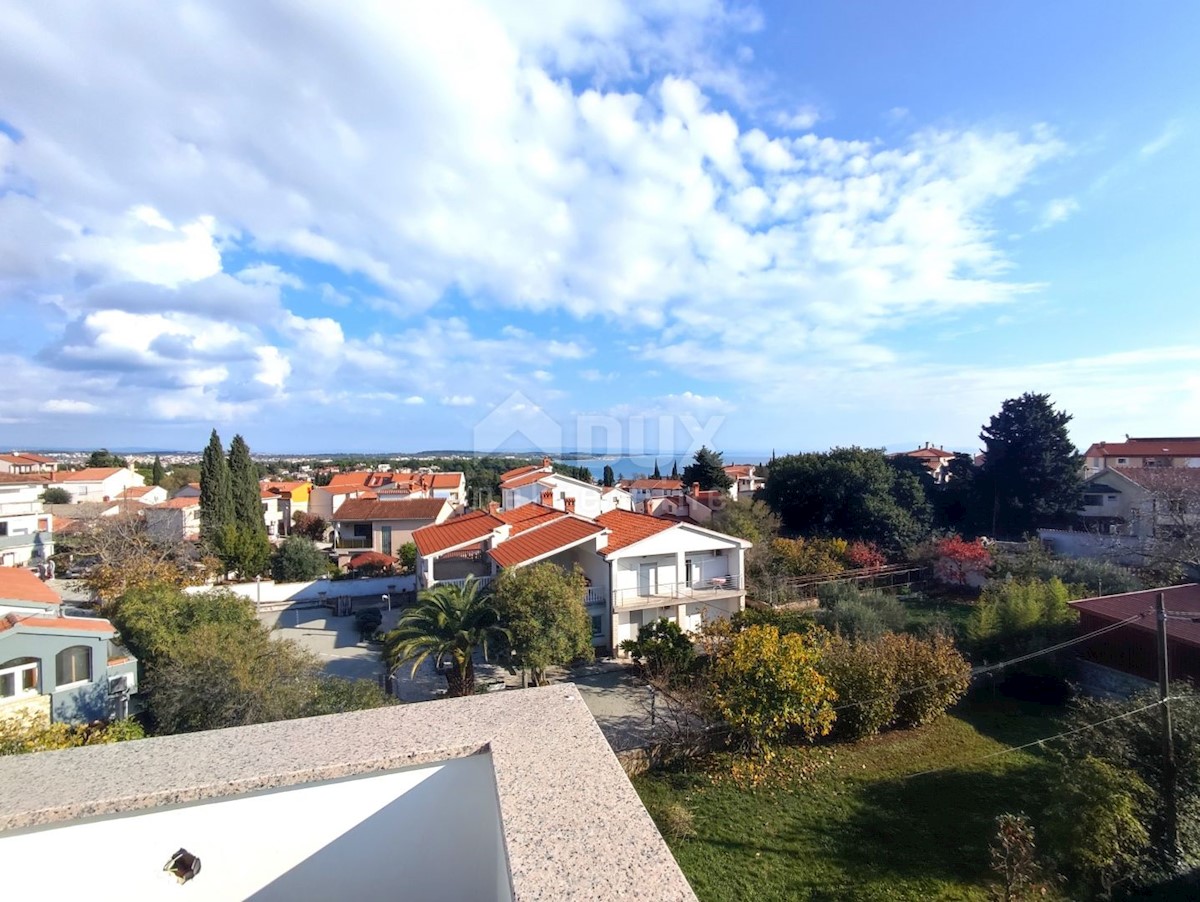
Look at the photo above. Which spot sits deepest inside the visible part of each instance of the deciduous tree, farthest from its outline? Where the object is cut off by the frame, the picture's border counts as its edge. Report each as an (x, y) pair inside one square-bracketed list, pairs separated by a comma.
[(958, 560), (542, 608), (298, 559)]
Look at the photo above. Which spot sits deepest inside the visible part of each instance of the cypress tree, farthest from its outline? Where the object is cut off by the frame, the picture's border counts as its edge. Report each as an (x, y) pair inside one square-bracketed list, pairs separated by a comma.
[(656, 474), (216, 499), (157, 473), (609, 478), (244, 488), (674, 469)]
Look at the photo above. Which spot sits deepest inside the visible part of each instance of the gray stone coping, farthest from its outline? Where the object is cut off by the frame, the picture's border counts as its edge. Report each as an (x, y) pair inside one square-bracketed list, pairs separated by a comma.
[(574, 827)]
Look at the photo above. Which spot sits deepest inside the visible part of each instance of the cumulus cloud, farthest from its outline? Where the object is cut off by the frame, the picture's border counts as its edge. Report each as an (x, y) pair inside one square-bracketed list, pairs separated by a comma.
[(1058, 210)]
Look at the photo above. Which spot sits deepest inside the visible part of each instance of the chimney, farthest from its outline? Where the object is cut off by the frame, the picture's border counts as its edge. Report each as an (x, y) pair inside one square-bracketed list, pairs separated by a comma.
[(493, 507), (547, 464), (695, 488), (569, 505), (548, 497)]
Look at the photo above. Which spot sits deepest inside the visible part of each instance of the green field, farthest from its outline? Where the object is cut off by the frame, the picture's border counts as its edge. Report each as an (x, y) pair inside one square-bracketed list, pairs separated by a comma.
[(852, 821)]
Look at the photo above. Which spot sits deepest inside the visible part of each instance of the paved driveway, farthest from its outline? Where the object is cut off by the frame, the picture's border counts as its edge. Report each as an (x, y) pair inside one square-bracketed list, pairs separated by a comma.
[(618, 700)]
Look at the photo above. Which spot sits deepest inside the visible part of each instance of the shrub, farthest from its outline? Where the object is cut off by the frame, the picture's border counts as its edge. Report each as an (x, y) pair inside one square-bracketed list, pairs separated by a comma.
[(930, 675), (662, 649), (864, 678), (19, 735), (675, 820), (56, 495), (765, 684), (958, 560), (786, 620), (368, 621), (297, 560), (1012, 609), (856, 614)]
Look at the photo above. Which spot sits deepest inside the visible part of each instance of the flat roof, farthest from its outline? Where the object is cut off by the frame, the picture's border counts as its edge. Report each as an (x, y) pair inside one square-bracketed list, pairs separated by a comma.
[(574, 828)]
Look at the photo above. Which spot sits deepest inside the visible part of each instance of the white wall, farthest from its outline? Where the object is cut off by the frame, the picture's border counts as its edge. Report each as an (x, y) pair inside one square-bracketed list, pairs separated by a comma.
[(431, 832), (269, 591)]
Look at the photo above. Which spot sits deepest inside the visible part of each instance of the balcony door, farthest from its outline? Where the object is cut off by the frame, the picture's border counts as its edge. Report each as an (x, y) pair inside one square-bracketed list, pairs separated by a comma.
[(385, 539), (647, 580)]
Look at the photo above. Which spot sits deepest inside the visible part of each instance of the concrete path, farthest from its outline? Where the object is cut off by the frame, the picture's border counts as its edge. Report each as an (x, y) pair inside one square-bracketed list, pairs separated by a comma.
[(618, 700)]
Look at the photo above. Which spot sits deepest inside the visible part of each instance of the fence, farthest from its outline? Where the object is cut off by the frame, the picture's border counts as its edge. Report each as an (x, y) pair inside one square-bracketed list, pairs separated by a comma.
[(893, 576)]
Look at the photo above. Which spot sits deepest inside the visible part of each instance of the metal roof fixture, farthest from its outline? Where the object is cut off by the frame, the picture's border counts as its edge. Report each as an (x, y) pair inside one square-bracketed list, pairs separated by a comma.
[(184, 865)]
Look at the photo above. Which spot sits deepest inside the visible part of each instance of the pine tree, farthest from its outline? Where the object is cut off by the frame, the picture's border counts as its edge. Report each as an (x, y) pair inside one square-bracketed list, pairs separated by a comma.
[(609, 479), (674, 469), (656, 474), (1031, 475), (244, 487), (708, 469), (157, 474), (216, 499)]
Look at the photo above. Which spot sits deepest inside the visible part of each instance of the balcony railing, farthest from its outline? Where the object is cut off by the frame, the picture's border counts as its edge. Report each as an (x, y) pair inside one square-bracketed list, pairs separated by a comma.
[(351, 542), (594, 596), (482, 581), (708, 588)]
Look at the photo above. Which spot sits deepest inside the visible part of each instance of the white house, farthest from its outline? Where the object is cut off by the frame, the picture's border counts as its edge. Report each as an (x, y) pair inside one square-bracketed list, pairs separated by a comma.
[(642, 490), (26, 528), (1148, 453), (98, 483), (21, 463), (639, 568), (1143, 503), (175, 520), (375, 485), (143, 495), (541, 485), (745, 481)]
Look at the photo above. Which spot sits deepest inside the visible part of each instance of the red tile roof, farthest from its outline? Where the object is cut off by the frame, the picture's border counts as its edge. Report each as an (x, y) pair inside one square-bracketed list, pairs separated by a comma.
[(19, 584), (88, 474), (527, 516), (36, 458), (1115, 608), (447, 480), (1162, 479), (1188, 446), (926, 452), (669, 484), (516, 482), (627, 528), (544, 539), (136, 491), (69, 624), (177, 504), (26, 478), (739, 469), (407, 509), (341, 480), (509, 474), (455, 531)]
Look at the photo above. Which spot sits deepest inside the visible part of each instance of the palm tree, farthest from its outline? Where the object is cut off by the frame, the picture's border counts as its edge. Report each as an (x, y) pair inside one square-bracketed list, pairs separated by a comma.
[(448, 621)]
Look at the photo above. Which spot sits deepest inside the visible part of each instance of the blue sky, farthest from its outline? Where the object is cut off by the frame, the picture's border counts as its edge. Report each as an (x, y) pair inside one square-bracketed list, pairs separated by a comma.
[(394, 226)]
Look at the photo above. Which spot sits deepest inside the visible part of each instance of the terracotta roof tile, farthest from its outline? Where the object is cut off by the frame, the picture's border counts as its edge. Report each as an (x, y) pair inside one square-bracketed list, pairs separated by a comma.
[(509, 474), (177, 504), (544, 539), (19, 584), (1187, 446), (523, 479), (136, 491), (528, 516), (88, 474), (1176, 598), (673, 485), (627, 528), (407, 509), (455, 531), (1162, 479), (70, 624), (25, 478)]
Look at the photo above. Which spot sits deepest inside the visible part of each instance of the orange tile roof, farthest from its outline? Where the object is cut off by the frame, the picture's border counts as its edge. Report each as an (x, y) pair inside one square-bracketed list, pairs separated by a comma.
[(87, 474), (20, 584), (1162, 479), (509, 474), (527, 516), (516, 482), (448, 480), (176, 504), (1147, 447), (70, 624), (670, 484), (626, 528), (407, 509), (739, 469), (25, 478), (455, 531), (356, 478), (136, 491), (544, 539)]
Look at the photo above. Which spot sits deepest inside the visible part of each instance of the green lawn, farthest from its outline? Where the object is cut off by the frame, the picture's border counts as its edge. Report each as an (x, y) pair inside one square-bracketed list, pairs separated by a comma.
[(851, 822)]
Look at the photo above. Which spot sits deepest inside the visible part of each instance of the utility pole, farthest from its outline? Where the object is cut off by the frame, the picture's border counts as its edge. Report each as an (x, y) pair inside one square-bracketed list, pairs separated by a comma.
[(1169, 776)]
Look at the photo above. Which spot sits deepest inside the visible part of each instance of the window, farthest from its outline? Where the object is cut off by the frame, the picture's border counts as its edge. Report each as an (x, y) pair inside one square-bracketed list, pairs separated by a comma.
[(74, 665), (1121, 461), (3, 527), (597, 625), (1093, 500), (18, 677)]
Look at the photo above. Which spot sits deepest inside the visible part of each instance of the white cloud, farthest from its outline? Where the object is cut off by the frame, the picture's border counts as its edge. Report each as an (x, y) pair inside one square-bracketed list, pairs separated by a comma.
[(66, 405), (1171, 131), (414, 400), (458, 400), (799, 120), (1058, 210)]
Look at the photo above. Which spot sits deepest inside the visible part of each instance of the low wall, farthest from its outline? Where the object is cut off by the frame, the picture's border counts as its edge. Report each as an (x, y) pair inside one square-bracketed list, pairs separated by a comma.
[(1124, 550), (270, 592)]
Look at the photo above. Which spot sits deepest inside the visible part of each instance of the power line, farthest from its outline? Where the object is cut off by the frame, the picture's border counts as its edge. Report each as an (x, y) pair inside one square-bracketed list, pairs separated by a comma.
[(1065, 733), (989, 668)]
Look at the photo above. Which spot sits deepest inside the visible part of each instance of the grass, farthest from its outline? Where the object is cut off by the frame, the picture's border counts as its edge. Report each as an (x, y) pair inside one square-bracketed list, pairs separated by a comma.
[(859, 821), (937, 608)]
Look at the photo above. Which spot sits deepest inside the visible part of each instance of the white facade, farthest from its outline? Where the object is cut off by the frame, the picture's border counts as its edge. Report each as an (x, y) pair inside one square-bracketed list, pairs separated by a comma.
[(174, 521), (566, 494), (26, 530), (98, 485)]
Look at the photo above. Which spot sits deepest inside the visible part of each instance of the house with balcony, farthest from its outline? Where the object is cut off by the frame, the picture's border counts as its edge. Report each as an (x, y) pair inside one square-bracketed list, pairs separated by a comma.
[(935, 460), (26, 528), (745, 481), (385, 485), (281, 502), (1141, 503), (21, 463), (642, 490), (638, 567), (384, 526), (97, 483), (1143, 453), (541, 485), (64, 669)]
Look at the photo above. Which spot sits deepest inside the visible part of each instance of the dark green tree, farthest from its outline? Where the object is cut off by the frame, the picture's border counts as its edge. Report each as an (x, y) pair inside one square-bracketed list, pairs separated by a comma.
[(542, 608), (674, 469), (849, 493), (656, 474), (56, 494), (298, 559), (610, 478), (1030, 475), (708, 469), (216, 495), (105, 458), (157, 473), (244, 487)]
